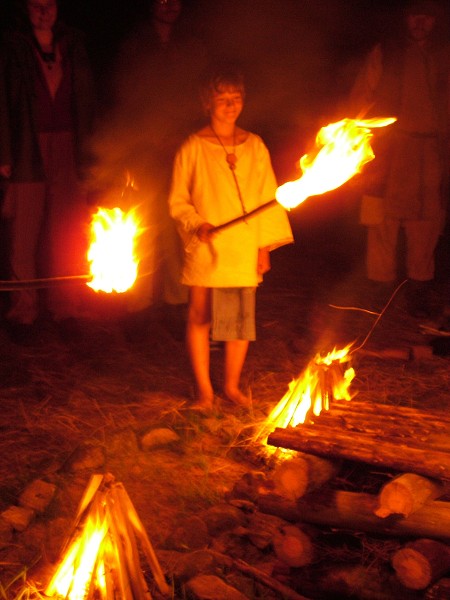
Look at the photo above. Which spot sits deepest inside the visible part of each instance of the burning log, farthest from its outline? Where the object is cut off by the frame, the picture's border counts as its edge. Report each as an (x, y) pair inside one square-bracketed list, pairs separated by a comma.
[(421, 563), (371, 449), (406, 493), (325, 378), (294, 477), (355, 511)]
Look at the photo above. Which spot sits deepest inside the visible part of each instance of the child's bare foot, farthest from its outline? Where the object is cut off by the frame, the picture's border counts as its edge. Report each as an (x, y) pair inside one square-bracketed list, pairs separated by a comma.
[(203, 403), (237, 397)]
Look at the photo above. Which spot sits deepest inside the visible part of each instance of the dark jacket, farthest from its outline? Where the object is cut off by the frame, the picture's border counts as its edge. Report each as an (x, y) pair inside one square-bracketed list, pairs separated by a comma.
[(18, 120)]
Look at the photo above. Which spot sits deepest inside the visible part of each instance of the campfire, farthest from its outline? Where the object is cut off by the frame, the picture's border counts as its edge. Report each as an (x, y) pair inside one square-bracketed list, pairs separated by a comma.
[(102, 557), (342, 149), (326, 378)]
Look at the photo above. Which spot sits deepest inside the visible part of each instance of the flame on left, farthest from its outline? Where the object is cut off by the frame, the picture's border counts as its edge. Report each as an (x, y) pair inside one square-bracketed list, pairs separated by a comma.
[(114, 266)]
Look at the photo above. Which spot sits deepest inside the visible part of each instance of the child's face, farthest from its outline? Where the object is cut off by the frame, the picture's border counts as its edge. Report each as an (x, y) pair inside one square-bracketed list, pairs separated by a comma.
[(225, 106)]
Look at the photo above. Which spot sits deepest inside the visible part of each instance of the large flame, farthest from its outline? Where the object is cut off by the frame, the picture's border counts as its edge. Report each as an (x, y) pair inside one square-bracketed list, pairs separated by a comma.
[(324, 379), (114, 265), (82, 562), (103, 555), (343, 148)]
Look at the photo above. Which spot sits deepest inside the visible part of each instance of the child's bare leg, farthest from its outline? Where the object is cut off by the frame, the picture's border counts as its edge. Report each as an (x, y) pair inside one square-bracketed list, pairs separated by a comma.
[(197, 341), (235, 354)]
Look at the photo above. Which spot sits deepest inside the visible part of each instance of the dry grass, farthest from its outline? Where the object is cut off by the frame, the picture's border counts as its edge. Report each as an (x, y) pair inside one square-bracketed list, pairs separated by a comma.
[(58, 399)]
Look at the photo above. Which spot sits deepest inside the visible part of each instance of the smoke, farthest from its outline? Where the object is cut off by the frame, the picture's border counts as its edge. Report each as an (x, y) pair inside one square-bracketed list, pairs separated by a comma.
[(298, 59)]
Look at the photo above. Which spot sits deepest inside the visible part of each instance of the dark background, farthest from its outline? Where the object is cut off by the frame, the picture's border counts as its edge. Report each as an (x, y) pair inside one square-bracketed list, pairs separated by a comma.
[(300, 59), (247, 27)]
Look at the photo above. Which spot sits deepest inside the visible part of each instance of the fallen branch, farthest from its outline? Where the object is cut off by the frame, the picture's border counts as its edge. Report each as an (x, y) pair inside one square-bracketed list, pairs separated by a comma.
[(236, 563)]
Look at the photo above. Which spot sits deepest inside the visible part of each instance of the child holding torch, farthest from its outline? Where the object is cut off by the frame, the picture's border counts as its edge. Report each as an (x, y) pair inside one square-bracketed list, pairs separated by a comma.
[(221, 172)]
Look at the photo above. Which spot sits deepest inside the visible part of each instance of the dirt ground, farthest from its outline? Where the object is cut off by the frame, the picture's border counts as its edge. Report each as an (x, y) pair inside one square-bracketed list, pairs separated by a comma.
[(71, 408)]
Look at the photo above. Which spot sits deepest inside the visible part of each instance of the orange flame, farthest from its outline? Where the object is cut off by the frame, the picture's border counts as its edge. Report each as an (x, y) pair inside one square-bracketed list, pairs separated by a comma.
[(81, 563), (343, 149), (112, 252), (323, 379), (103, 556)]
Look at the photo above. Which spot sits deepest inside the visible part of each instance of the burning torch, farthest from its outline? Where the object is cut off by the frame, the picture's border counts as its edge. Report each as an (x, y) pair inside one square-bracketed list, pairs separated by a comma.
[(342, 149)]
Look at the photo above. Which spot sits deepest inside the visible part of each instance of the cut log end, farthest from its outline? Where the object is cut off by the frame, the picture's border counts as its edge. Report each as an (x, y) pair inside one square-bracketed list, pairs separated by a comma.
[(295, 477), (412, 569), (406, 494), (293, 546), (421, 563)]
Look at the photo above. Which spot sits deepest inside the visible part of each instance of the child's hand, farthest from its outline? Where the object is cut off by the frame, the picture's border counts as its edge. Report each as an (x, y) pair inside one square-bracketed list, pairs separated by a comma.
[(263, 261), (205, 232)]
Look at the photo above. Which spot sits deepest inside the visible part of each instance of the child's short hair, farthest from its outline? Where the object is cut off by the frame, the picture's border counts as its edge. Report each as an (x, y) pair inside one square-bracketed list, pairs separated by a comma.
[(220, 78)]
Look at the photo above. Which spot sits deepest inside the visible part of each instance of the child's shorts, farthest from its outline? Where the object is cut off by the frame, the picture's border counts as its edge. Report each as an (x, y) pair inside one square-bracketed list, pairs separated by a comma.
[(233, 314)]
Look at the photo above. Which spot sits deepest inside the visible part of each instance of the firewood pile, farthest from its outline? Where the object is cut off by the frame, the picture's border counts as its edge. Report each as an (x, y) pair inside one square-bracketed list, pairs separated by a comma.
[(379, 474)]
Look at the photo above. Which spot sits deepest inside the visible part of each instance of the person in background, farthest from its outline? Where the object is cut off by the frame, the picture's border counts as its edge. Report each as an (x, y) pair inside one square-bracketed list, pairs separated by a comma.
[(150, 109), (406, 186), (221, 172), (47, 104)]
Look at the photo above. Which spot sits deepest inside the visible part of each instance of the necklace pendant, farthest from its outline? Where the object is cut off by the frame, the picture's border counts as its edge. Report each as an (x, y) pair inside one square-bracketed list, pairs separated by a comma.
[(232, 160)]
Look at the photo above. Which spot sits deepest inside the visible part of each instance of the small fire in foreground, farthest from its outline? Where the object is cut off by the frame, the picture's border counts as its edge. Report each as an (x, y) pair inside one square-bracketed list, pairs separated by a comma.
[(343, 148), (325, 378), (111, 254), (103, 555), (83, 564)]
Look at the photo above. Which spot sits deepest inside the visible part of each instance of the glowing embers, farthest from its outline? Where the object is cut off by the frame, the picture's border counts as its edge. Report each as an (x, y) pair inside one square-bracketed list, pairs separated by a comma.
[(113, 263), (325, 378), (343, 148)]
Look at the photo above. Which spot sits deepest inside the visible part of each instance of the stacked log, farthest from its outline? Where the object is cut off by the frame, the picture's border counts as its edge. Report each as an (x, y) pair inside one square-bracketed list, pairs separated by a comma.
[(406, 493), (421, 563), (410, 447)]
